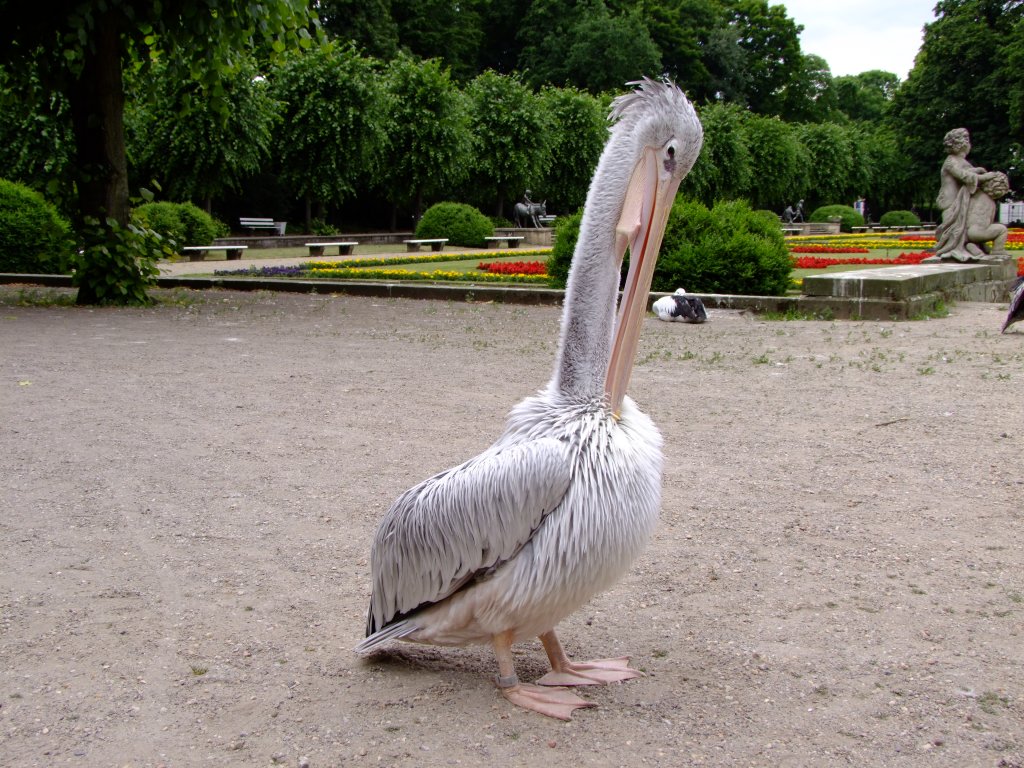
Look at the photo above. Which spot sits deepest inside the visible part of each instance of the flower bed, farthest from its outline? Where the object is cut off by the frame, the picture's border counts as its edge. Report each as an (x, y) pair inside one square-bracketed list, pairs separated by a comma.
[(821, 262), (513, 267)]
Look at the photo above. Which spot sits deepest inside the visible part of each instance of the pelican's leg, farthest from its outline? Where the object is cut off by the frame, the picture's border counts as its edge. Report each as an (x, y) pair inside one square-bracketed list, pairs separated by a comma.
[(553, 702), (567, 672)]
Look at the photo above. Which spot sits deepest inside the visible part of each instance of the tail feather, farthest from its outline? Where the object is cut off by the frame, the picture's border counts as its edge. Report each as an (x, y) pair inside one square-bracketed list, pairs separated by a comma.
[(395, 631)]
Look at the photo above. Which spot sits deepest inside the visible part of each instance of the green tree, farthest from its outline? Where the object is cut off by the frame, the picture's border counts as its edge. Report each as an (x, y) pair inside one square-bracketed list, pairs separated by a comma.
[(830, 170), (681, 30), (809, 96), (79, 48), (36, 143), (511, 137), (589, 47), (770, 42), (428, 143), (866, 96), (578, 133), (722, 172), (441, 29), (366, 23), (208, 153), (962, 77), (778, 163), (332, 126)]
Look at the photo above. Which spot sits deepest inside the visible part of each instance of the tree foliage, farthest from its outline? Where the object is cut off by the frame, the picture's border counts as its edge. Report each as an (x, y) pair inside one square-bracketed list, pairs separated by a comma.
[(428, 142), (579, 129), (963, 77), (79, 48), (207, 153), (332, 129), (510, 135)]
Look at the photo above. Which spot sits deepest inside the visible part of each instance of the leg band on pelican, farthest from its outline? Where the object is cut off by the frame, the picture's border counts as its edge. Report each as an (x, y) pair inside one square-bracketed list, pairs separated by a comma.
[(509, 681)]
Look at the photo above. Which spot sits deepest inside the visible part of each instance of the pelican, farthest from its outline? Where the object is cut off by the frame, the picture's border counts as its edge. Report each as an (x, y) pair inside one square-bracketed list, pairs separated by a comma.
[(504, 546), (679, 306), (1016, 312)]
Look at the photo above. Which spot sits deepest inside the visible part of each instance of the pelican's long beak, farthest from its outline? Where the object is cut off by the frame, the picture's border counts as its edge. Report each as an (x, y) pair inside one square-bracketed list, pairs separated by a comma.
[(649, 198)]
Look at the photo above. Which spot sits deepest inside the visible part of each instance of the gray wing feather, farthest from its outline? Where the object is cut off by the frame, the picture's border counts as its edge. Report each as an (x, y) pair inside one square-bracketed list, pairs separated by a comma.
[(440, 533)]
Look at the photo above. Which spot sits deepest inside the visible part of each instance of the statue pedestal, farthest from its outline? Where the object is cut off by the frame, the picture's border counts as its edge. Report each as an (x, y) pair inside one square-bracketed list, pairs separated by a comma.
[(543, 237), (903, 291)]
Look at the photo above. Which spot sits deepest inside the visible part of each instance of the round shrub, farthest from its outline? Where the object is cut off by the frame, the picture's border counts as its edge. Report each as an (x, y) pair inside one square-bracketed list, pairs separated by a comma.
[(181, 223), (847, 215), (34, 238), (462, 224), (899, 219), (726, 249)]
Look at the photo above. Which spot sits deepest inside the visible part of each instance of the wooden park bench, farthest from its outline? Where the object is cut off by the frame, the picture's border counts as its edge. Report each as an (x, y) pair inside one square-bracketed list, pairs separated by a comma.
[(436, 244), (344, 249), (252, 224), (512, 240), (198, 252)]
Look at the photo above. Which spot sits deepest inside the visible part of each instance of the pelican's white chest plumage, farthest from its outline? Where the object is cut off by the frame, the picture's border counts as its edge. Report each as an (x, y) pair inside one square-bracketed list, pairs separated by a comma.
[(586, 543), (505, 545)]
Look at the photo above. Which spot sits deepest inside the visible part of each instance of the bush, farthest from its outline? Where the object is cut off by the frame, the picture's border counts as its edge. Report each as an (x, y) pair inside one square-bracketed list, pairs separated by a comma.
[(462, 224), (847, 215), (180, 223), (567, 230), (727, 249), (899, 219), (34, 238)]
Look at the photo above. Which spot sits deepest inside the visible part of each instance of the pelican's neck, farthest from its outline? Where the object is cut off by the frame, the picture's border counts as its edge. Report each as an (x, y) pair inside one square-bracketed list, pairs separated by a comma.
[(588, 317)]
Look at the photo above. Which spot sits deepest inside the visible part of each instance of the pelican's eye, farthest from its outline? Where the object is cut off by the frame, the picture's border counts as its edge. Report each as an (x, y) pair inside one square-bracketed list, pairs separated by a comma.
[(670, 159)]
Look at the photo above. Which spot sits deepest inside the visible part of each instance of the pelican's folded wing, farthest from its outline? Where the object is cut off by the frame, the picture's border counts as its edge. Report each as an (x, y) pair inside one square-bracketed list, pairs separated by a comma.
[(442, 532)]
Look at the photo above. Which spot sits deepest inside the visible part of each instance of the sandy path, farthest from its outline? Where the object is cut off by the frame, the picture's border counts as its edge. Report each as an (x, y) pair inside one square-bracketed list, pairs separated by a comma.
[(189, 493)]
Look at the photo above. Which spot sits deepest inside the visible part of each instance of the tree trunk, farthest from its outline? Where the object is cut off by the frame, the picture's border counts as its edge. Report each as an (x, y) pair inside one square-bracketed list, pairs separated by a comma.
[(97, 112), (309, 212), (418, 206), (97, 115)]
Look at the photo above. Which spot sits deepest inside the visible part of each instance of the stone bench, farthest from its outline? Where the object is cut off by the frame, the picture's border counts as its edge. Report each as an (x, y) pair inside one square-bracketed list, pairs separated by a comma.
[(252, 223), (198, 252), (512, 240), (436, 244), (344, 249)]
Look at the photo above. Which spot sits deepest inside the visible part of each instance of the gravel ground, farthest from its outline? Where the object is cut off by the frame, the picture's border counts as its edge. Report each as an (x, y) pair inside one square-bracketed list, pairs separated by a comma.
[(189, 494)]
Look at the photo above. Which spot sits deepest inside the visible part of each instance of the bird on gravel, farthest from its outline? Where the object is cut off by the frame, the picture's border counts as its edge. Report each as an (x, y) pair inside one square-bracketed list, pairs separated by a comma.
[(679, 306), (504, 546)]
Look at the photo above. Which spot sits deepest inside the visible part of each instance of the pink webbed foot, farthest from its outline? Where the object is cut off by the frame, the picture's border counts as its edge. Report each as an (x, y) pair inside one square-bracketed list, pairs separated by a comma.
[(597, 672), (553, 702)]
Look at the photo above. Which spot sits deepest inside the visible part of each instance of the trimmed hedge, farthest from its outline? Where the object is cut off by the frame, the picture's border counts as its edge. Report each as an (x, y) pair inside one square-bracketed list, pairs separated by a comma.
[(34, 237), (899, 219), (847, 215), (462, 224), (181, 223), (726, 249), (567, 231)]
